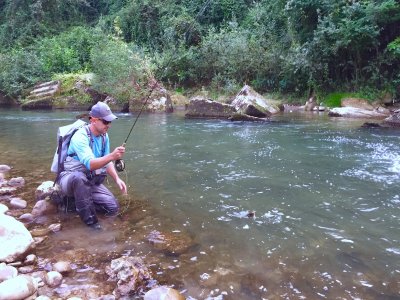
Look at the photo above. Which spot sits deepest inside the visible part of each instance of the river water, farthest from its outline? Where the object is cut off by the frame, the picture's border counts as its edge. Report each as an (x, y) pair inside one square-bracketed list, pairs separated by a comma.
[(324, 192)]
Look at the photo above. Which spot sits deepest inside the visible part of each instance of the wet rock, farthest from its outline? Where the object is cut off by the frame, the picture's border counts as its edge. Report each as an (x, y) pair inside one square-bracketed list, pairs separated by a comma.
[(53, 278), (19, 287), (26, 218), (45, 190), (353, 112), (4, 168), (31, 259), (7, 190), (26, 269), (16, 182), (39, 231), (173, 243), (62, 267), (394, 119), (3, 208), (7, 272), (130, 273), (18, 203), (163, 292), (15, 239), (55, 227), (206, 108), (249, 102), (43, 207)]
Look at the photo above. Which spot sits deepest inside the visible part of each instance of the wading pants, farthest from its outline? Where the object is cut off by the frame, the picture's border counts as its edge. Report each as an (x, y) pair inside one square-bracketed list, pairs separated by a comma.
[(89, 197)]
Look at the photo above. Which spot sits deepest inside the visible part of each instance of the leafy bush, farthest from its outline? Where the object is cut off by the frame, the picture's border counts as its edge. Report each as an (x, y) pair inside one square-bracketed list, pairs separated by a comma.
[(119, 70)]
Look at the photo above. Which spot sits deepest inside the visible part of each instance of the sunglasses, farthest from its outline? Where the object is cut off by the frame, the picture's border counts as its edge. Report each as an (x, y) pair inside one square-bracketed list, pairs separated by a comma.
[(105, 122)]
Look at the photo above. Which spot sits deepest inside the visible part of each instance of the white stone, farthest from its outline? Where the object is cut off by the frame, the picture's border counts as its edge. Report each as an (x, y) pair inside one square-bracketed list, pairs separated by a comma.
[(18, 203), (31, 259), (16, 182), (163, 292), (3, 208), (55, 227), (53, 278), (7, 272), (15, 239), (62, 267), (44, 190), (4, 168), (43, 298), (16, 288)]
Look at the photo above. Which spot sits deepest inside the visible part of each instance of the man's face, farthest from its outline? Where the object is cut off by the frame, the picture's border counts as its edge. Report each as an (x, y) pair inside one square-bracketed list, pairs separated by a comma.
[(100, 126)]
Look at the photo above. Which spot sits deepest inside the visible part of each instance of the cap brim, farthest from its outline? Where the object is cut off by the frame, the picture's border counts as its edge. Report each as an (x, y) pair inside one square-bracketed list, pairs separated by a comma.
[(110, 117)]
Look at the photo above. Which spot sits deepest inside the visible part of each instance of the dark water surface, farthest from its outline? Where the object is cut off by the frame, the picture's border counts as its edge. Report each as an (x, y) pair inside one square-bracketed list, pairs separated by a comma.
[(325, 195)]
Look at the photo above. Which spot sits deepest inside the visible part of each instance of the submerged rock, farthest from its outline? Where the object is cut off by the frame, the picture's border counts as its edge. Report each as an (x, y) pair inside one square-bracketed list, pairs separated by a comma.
[(130, 273), (163, 292)]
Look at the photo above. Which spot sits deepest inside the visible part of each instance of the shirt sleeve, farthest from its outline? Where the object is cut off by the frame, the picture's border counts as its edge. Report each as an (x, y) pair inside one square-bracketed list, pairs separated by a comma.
[(80, 146)]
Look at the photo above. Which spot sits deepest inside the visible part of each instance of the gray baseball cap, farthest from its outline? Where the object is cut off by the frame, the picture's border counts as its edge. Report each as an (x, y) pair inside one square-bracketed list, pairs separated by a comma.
[(102, 111)]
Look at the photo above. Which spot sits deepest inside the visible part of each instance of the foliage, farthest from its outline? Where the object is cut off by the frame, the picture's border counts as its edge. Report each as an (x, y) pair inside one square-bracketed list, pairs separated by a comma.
[(119, 70), (335, 99)]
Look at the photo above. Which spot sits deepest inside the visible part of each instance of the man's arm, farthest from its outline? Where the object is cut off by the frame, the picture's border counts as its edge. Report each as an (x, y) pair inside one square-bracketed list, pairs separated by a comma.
[(98, 163)]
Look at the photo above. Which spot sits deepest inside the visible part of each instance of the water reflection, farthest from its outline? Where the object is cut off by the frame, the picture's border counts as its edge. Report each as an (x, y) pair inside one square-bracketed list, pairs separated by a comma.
[(323, 191)]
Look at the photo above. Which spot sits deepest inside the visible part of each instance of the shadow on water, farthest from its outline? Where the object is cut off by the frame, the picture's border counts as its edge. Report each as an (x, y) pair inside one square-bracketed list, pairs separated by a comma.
[(324, 195)]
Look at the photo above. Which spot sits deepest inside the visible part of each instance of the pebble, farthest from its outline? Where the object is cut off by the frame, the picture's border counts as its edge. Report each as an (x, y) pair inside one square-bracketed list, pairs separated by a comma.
[(18, 203), (4, 168), (16, 182), (26, 218), (26, 269), (53, 278), (62, 267), (55, 227), (31, 259)]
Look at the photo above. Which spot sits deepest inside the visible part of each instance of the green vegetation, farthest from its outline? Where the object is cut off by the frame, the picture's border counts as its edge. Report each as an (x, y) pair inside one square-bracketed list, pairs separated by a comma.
[(285, 47)]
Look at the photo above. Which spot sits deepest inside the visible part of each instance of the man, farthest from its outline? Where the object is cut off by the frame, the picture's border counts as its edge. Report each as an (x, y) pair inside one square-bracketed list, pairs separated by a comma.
[(88, 163)]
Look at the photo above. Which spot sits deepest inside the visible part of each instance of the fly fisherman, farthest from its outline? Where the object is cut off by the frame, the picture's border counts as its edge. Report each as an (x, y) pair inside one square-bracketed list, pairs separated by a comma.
[(87, 165)]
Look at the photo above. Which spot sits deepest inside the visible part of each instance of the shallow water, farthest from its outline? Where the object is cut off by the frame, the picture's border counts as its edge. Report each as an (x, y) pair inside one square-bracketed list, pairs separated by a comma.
[(324, 192)]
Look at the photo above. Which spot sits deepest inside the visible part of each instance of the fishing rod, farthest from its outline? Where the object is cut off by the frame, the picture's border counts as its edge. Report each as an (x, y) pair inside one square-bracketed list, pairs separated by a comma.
[(119, 163)]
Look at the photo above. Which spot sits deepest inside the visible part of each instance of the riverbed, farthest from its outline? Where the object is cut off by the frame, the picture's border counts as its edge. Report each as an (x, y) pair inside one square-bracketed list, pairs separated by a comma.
[(304, 207)]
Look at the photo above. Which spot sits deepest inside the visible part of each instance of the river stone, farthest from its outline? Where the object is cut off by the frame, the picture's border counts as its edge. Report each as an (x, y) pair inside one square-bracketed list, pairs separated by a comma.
[(26, 218), (19, 287), (16, 182), (18, 203), (43, 207), (15, 239), (200, 107), (26, 269), (53, 278), (55, 227), (7, 272), (3, 209), (130, 273), (31, 259), (7, 190), (175, 243), (164, 293), (45, 190), (62, 267), (4, 168)]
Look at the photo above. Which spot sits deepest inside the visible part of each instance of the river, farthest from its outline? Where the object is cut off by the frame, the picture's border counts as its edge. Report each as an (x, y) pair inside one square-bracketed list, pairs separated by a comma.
[(325, 196)]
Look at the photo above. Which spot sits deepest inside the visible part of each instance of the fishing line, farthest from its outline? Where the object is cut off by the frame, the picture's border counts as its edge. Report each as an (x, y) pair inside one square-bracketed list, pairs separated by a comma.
[(120, 163)]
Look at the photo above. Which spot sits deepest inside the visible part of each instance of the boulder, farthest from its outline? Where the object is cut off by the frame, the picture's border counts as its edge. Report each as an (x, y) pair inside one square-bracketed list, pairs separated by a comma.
[(249, 102), (353, 112), (7, 272), (394, 119), (200, 107), (15, 239), (357, 103)]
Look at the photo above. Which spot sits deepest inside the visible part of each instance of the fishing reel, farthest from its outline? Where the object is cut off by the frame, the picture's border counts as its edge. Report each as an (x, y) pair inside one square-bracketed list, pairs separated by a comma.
[(119, 165)]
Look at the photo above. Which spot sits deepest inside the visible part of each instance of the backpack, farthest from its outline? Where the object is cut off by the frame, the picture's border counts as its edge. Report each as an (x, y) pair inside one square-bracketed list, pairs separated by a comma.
[(64, 135)]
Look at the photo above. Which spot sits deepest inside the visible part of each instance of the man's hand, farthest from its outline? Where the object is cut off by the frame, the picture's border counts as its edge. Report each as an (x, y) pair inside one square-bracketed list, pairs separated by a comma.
[(118, 152), (122, 186)]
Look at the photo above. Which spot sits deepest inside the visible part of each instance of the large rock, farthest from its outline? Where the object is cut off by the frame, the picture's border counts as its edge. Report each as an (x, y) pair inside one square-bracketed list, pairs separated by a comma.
[(17, 288), (357, 103), (394, 119), (353, 112), (156, 99), (249, 102), (45, 190), (200, 107), (15, 239)]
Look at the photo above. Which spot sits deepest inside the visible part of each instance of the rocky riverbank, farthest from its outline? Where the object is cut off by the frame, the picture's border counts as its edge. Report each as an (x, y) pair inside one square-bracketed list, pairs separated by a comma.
[(29, 271)]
